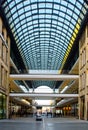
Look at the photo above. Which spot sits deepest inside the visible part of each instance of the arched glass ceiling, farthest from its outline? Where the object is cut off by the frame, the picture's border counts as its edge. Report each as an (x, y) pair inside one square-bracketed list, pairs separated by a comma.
[(45, 30)]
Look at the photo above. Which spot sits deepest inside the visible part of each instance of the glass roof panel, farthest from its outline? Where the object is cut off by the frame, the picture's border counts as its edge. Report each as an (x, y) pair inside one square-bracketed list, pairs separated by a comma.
[(45, 28)]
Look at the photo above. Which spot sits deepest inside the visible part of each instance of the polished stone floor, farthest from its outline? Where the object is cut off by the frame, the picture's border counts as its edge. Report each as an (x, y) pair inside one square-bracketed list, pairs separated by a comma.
[(45, 124)]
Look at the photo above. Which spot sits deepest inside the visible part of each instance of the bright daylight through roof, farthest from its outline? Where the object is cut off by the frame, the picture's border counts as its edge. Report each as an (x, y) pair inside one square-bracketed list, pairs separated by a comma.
[(43, 89), (44, 61)]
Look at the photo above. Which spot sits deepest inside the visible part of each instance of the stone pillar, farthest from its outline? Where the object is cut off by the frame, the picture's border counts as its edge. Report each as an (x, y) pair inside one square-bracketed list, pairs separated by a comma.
[(8, 64), (4, 67), (83, 75)]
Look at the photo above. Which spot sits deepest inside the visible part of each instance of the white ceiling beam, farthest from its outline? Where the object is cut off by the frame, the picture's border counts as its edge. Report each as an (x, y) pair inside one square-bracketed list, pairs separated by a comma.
[(46, 95), (55, 77)]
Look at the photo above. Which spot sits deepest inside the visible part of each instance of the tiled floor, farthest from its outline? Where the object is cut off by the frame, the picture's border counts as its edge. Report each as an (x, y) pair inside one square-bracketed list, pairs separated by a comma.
[(46, 124)]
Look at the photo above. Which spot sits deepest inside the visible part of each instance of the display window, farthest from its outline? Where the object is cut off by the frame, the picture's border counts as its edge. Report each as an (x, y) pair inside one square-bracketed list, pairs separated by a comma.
[(2, 106)]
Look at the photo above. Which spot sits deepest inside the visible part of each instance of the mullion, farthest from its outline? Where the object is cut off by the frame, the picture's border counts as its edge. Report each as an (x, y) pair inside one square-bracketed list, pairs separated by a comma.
[(50, 32)]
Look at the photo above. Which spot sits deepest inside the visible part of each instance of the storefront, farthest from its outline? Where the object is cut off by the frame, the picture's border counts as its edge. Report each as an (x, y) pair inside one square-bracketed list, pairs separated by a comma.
[(2, 106)]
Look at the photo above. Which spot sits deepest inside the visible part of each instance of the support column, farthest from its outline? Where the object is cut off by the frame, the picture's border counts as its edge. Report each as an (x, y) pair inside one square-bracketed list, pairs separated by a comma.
[(8, 64), (4, 69), (83, 75)]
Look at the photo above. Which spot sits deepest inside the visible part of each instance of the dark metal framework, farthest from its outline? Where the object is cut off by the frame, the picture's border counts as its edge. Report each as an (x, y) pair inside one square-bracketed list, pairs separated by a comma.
[(45, 30)]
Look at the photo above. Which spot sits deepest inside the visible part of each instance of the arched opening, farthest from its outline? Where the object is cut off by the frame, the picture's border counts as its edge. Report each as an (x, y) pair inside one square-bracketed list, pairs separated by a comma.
[(44, 103), (43, 89)]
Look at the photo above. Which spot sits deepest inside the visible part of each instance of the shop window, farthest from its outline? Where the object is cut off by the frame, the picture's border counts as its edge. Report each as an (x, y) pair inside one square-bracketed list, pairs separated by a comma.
[(80, 82), (2, 106), (2, 75), (5, 79), (80, 60), (84, 56)]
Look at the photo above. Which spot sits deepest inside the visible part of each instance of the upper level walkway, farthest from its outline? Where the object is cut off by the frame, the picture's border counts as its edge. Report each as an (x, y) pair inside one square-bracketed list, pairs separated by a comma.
[(45, 124)]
